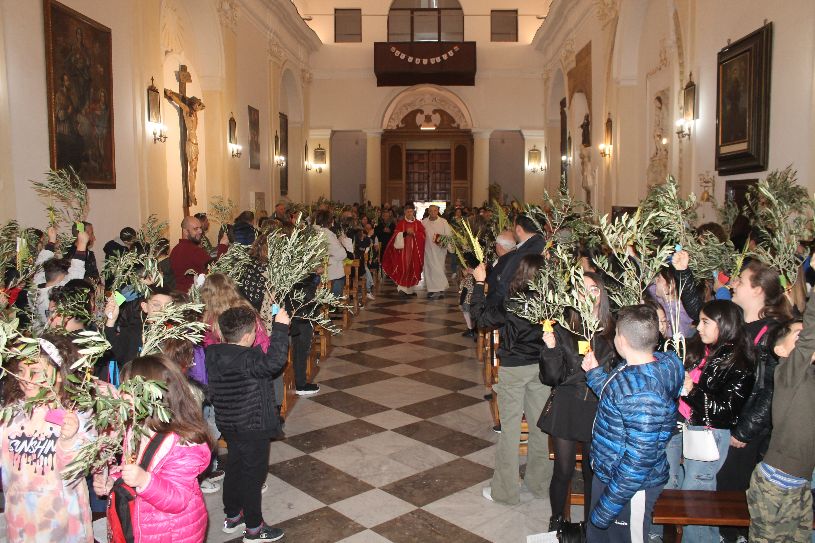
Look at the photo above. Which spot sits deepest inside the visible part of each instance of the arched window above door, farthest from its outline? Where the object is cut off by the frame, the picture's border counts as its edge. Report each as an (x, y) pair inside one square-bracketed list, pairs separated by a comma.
[(425, 21)]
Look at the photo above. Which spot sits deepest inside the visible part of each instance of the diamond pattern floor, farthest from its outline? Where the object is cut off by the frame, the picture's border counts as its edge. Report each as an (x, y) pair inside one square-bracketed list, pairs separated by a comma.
[(397, 445)]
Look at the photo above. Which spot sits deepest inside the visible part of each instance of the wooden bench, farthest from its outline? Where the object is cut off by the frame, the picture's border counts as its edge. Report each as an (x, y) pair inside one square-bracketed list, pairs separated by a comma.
[(678, 508)]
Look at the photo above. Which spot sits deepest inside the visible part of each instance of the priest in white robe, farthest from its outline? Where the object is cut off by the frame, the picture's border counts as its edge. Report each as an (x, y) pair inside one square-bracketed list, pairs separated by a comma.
[(435, 252)]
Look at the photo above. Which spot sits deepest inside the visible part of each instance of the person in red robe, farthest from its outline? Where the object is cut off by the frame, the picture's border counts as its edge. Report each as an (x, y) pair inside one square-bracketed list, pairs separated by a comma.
[(405, 265)]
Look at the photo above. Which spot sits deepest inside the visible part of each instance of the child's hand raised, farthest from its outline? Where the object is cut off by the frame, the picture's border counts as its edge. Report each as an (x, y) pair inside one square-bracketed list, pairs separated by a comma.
[(282, 317), (589, 362), (70, 425), (135, 476)]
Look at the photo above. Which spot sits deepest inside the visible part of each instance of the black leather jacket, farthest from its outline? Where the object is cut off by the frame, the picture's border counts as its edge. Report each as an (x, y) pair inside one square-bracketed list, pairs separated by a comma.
[(726, 389), (562, 366), (755, 420)]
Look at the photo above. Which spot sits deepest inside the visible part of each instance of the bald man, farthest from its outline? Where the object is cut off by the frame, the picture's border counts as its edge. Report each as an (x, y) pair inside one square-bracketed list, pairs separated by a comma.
[(189, 255)]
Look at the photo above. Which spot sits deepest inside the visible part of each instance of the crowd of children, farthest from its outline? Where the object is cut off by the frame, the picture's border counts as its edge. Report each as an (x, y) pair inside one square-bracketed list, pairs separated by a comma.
[(630, 383)]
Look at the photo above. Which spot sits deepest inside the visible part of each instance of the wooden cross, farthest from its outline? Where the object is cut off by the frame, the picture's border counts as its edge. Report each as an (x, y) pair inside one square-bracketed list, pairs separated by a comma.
[(188, 107)]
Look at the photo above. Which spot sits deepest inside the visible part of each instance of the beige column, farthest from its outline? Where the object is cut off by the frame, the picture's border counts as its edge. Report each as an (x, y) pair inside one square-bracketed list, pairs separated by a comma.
[(481, 166), (373, 166), (534, 182)]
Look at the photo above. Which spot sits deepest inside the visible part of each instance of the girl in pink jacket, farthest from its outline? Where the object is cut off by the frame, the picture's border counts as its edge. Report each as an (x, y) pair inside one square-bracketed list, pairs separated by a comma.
[(169, 507)]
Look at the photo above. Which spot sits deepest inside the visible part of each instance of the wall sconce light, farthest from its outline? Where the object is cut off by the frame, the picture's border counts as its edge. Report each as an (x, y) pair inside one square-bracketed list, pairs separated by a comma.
[(154, 124), (234, 148), (319, 159), (307, 164), (684, 125), (606, 146), (279, 159), (533, 160)]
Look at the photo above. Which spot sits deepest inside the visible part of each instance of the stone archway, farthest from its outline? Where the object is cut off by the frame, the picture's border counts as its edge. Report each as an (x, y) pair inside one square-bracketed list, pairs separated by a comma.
[(427, 100)]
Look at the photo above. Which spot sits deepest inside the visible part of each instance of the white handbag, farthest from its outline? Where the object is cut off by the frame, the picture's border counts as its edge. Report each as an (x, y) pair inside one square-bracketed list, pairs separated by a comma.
[(700, 444), (399, 241)]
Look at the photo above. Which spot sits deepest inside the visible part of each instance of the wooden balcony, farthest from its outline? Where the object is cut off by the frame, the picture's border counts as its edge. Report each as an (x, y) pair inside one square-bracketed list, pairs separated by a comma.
[(399, 64)]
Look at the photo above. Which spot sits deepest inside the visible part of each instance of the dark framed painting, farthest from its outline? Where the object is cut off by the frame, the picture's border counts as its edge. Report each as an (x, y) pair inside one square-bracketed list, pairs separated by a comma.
[(743, 103), (79, 76), (254, 138)]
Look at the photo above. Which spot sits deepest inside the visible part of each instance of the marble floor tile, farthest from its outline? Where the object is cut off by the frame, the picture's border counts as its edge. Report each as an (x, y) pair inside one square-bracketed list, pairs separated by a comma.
[(373, 507), (439, 345), (397, 392), (318, 479), (441, 380), (433, 332), (309, 415), (325, 438), (339, 351), (457, 338), (436, 483), (441, 437), (349, 337), (440, 404), (407, 327), (350, 404), (402, 369), (280, 451), (367, 360), (339, 367), (422, 527), (391, 419), (367, 536), (370, 345), (383, 458), (438, 361), (407, 338), (405, 353), (486, 456), (321, 526), (381, 332), (474, 419), (356, 379)]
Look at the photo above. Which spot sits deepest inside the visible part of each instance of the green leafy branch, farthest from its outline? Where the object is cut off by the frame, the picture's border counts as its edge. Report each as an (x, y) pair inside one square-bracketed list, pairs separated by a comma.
[(172, 322), (66, 194)]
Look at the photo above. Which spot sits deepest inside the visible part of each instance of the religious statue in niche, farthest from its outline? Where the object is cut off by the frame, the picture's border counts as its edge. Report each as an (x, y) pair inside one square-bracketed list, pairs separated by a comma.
[(658, 157), (188, 108), (585, 128)]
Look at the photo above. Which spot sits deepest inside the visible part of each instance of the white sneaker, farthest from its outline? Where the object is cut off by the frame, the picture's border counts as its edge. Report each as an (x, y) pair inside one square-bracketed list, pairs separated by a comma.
[(264, 488), (370, 296), (209, 487), (487, 493)]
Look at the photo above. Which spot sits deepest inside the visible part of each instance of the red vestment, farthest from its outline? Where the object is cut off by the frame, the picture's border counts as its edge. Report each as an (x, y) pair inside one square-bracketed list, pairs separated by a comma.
[(404, 266)]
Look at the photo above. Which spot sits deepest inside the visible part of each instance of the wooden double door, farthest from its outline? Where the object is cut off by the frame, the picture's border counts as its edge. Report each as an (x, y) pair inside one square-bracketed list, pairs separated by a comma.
[(420, 167)]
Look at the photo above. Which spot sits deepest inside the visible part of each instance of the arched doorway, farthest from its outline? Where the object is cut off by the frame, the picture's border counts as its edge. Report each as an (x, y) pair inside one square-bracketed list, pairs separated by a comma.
[(427, 147)]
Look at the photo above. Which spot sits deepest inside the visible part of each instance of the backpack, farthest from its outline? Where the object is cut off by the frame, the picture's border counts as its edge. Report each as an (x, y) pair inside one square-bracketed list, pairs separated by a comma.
[(122, 502)]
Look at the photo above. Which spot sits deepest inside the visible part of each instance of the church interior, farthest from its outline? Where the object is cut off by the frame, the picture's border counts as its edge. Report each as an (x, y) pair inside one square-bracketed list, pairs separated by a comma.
[(166, 106)]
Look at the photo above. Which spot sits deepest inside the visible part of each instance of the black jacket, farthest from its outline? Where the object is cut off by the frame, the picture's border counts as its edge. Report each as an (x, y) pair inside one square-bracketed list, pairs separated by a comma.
[(561, 366), (726, 389), (755, 421), (241, 388), (689, 296), (521, 341), (503, 277)]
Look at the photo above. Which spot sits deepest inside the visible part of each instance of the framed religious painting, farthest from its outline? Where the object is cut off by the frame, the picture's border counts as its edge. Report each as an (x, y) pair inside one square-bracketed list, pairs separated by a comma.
[(79, 76), (743, 103), (254, 138)]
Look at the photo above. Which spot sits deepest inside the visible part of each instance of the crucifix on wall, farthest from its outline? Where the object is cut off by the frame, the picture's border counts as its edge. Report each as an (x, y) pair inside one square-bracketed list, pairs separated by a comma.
[(188, 108)]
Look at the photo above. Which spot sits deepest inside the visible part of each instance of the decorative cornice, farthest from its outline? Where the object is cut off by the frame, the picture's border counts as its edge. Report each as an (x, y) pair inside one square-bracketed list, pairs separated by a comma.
[(606, 10), (228, 12), (269, 15), (319, 134)]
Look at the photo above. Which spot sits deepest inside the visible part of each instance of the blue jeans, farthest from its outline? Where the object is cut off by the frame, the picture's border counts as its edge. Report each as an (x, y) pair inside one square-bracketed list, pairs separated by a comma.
[(369, 280), (702, 476), (337, 286)]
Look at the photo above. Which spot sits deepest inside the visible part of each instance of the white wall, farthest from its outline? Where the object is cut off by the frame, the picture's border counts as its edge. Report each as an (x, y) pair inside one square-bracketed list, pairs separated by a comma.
[(28, 114), (507, 159), (348, 160)]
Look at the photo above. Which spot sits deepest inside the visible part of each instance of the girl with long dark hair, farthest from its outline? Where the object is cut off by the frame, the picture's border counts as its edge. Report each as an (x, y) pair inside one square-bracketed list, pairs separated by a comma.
[(572, 405)]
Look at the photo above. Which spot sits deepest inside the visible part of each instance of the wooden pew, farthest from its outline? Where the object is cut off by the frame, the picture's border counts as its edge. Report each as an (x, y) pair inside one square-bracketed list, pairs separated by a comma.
[(677, 508)]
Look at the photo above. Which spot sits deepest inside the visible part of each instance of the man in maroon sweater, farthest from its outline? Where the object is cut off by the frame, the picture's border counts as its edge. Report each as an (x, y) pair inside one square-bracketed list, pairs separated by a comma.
[(189, 255)]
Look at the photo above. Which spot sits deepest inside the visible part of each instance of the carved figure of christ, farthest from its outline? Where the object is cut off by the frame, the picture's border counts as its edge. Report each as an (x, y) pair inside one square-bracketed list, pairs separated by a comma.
[(188, 108)]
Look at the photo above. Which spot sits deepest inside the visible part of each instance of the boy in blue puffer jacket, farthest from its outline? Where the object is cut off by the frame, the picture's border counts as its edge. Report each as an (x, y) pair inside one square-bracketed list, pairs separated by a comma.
[(635, 416)]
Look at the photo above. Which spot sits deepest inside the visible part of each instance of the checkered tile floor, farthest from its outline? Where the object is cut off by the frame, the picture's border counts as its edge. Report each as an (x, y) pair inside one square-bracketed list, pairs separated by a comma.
[(398, 443)]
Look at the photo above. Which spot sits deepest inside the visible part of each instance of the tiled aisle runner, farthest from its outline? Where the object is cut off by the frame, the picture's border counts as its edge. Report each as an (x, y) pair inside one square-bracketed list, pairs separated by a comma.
[(398, 443)]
